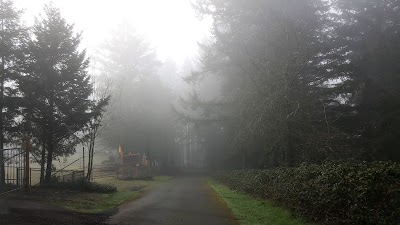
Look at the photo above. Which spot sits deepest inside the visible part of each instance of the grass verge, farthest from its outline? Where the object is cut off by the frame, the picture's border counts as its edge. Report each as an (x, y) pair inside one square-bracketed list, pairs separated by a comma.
[(96, 203), (251, 211), (85, 202), (128, 190)]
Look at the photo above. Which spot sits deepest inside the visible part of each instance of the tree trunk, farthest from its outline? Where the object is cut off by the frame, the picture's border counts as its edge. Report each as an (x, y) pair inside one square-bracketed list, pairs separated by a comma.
[(90, 162), (50, 147), (43, 161), (91, 155), (88, 174), (2, 170), (49, 162)]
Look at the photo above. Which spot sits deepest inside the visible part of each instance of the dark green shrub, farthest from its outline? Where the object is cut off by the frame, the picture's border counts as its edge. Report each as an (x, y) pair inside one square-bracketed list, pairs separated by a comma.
[(99, 188), (83, 186), (332, 193), (138, 178)]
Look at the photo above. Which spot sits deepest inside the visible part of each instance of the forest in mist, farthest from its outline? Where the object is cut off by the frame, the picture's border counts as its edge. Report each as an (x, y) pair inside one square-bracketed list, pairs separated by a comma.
[(301, 81), (276, 83)]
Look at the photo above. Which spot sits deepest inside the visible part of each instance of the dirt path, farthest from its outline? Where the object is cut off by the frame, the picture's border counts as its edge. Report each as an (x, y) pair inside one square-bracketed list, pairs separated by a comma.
[(182, 201)]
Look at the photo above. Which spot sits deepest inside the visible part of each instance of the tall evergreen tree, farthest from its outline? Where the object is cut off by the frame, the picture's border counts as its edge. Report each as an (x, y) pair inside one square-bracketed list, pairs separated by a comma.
[(131, 60), (270, 54), (56, 86), (368, 33), (12, 33), (308, 80)]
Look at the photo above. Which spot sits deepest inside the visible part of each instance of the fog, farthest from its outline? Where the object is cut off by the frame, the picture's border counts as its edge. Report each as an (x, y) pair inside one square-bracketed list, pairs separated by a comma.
[(206, 84), (139, 52), (172, 27), (162, 111)]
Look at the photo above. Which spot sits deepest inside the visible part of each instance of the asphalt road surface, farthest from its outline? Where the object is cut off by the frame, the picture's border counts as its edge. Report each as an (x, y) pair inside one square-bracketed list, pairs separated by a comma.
[(181, 201)]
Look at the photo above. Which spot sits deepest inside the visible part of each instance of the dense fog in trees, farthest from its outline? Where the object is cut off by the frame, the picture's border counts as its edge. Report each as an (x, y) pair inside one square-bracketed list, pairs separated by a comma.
[(276, 83), (302, 81)]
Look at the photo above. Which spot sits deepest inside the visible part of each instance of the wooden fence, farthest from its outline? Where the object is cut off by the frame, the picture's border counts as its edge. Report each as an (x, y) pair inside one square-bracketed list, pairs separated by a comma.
[(103, 171)]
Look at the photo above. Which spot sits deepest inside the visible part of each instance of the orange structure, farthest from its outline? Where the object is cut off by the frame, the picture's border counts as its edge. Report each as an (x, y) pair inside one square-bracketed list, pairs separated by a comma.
[(132, 165)]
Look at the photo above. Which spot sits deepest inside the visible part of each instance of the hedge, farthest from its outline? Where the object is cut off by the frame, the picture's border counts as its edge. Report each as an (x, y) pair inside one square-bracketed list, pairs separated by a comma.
[(332, 193)]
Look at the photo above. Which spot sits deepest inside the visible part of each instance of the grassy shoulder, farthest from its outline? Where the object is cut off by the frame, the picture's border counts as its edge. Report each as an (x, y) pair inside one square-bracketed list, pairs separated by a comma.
[(251, 211), (95, 203), (84, 202), (127, 190)]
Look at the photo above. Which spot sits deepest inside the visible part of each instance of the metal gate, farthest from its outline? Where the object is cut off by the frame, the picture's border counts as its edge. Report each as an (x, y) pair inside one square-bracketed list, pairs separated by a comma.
[(12, 169)]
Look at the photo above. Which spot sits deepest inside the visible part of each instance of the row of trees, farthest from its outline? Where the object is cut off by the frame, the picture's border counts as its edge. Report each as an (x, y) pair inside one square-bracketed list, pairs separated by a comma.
[(140, 119), (301, 81), (45, 90)]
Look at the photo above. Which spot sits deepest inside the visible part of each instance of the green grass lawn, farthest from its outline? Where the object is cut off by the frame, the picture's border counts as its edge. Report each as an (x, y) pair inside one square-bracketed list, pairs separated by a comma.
[(96, 203), (126, 185), (93, 202), (251, 211)]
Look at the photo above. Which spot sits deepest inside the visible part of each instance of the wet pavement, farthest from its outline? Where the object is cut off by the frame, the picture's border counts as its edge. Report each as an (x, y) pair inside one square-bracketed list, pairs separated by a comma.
[(181, 201)]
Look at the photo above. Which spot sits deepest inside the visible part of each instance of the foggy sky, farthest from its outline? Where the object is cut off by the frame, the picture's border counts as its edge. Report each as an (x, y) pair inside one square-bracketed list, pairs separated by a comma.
[(170, 26)]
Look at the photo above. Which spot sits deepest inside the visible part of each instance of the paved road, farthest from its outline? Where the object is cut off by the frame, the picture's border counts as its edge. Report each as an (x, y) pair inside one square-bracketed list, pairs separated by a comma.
[(181, 201)]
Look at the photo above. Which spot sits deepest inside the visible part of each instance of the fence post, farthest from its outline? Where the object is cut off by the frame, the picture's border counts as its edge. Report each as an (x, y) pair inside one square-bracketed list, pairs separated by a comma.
[(27, 164), (118, 170), (73, 176)]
